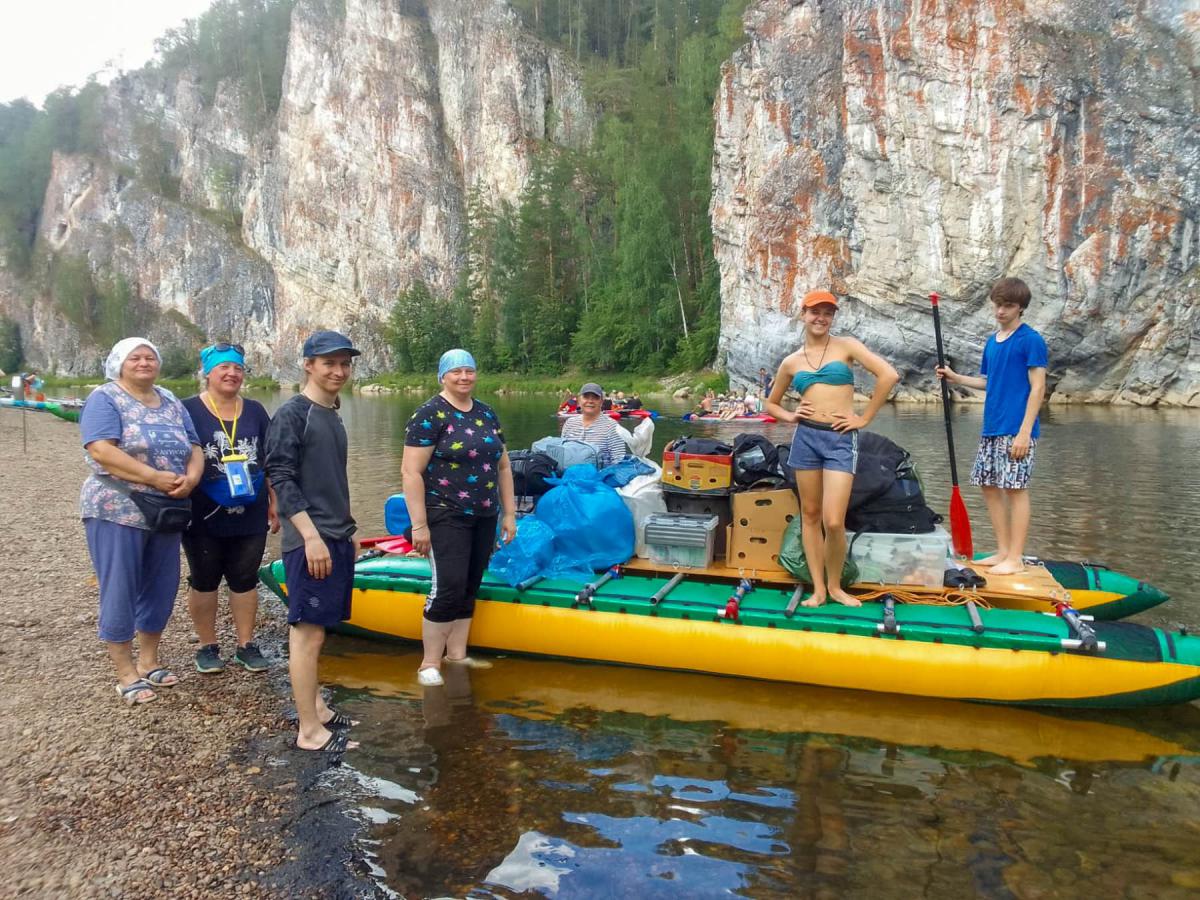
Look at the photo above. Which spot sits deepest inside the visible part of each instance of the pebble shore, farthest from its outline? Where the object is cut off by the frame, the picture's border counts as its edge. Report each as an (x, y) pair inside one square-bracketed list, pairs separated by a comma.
[(194, 795)]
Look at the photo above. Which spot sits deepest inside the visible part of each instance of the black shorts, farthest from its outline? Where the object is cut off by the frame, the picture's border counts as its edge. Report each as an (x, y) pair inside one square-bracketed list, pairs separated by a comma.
[(235, 558), (460, 547), (324, 601)]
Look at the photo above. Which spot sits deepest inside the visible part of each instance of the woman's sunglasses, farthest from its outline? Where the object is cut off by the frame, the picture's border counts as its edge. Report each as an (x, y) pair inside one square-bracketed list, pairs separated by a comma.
[(222, 346)]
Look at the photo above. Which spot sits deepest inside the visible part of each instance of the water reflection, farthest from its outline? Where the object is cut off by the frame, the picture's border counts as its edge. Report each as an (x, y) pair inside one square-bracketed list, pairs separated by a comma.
[(570, 780), (557, 779)]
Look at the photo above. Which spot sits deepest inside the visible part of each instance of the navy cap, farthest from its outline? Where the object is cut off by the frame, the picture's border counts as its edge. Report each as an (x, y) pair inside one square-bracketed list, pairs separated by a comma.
[(325, 343), (591, 388)]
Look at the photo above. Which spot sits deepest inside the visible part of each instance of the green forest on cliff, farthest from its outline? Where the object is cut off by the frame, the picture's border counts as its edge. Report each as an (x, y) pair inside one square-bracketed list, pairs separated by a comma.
[(605, 261)]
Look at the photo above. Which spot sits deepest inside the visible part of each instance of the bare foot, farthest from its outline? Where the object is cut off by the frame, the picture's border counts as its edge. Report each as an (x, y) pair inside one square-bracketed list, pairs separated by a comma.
[(992, 560), (840, 596), (1008, 567), (814, 601)]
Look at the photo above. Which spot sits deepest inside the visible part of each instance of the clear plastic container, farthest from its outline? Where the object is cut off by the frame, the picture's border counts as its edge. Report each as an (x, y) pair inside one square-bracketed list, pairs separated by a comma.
[(685, 541), (919, 559)]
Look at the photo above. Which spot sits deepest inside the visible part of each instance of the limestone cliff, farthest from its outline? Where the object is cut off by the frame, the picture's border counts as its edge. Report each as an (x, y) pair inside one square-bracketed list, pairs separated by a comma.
[(391, 114), (888, 149)]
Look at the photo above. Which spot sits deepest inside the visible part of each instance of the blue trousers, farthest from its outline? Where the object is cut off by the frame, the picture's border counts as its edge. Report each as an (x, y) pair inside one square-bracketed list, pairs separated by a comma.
[(138, 571)]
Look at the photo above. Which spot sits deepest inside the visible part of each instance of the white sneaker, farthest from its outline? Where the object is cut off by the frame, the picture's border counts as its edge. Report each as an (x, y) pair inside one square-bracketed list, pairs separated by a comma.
[(469, 661), (430, 677)]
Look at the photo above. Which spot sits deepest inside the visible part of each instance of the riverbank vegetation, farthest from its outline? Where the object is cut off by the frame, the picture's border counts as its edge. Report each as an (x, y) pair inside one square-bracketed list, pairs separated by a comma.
[(525, 383)]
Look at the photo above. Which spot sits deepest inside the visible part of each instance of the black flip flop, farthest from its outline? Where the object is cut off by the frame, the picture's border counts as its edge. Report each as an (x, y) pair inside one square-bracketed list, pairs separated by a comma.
[(338, 722), (336, 744), (956, 578), (974, 579)]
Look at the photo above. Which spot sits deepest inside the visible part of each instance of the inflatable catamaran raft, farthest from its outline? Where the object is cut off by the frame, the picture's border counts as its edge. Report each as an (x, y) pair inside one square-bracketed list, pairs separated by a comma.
[(942, 644)]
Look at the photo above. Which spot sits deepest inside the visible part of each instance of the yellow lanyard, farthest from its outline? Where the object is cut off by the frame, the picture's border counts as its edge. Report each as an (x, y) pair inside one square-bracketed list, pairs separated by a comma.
[(221, 422)]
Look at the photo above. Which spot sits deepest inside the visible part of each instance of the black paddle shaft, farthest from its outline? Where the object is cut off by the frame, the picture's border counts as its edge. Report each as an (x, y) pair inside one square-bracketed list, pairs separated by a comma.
[(937, 331)]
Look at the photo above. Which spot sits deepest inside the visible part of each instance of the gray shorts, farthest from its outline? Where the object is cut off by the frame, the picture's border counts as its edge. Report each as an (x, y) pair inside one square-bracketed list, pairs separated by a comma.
[(817, 446)]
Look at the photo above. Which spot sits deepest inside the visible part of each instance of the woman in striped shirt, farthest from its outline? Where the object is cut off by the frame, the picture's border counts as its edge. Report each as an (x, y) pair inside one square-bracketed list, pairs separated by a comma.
[(595, 428)]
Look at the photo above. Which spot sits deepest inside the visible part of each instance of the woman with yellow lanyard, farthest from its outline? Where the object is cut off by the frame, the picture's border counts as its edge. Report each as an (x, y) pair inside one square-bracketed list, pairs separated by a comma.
[(232, 509)]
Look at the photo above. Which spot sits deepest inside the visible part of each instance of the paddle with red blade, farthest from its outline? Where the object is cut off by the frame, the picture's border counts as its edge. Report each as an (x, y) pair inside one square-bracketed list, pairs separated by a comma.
[(960, 525)]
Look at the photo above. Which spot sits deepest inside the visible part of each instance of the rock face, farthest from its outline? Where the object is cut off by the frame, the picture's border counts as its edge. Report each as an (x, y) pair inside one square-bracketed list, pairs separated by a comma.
[(391, 115), (890, 149)]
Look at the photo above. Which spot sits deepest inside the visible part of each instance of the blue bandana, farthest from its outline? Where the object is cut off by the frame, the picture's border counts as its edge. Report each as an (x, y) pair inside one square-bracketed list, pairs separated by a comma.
[(211, 357), (455, 359)]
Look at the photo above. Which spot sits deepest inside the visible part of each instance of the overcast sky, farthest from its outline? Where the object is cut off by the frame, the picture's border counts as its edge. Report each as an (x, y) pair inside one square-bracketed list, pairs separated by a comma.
[(48, 43)]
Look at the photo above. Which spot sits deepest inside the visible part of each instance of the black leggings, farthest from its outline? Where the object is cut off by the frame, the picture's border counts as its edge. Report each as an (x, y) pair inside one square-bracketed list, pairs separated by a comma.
[(236, 558), (459, 550)]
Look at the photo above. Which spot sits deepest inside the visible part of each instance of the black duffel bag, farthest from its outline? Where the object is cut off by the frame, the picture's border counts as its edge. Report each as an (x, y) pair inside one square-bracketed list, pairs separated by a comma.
[(755, 461), (530, 469)]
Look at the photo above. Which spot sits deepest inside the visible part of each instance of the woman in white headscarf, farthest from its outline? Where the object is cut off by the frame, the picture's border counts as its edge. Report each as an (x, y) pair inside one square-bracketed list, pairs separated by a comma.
[(145, 459)]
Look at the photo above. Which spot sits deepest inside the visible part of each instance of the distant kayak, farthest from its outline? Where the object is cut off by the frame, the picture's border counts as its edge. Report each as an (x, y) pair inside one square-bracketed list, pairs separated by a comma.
[(616, 414), (738, 420)]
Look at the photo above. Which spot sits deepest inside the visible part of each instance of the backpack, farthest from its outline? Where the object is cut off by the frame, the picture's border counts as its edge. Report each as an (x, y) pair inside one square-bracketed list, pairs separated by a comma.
[(755, 460), (879, 463), (567, 452), (530, 469), (887, 496)]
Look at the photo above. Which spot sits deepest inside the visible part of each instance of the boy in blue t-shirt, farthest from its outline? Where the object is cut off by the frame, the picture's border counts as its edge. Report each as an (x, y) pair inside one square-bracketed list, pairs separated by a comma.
[(1013, 373)]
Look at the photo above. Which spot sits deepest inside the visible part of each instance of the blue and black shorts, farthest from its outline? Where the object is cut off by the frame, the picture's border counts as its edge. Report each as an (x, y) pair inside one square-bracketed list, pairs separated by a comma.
[(320, 601)]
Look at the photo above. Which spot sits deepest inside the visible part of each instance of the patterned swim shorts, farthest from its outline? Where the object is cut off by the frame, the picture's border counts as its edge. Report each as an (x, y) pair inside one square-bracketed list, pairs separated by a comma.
[(994, 467)]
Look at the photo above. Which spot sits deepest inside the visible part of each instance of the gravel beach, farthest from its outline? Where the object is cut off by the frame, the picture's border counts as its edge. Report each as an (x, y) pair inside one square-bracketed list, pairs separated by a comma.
[(195, 795)]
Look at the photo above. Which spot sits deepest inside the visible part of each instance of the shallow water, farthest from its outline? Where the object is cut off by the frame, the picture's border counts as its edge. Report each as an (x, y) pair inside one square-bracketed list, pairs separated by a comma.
[(552, 778)]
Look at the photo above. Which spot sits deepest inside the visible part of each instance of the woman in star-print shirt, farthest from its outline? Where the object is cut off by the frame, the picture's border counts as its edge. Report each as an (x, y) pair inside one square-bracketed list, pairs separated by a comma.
[(457, 480)]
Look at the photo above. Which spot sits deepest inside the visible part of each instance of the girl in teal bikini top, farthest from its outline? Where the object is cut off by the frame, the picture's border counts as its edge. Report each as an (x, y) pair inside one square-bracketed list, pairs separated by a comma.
[(836, 372)]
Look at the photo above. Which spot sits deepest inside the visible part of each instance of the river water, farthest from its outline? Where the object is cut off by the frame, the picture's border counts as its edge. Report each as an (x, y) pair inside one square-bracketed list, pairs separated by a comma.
[(552, 778)]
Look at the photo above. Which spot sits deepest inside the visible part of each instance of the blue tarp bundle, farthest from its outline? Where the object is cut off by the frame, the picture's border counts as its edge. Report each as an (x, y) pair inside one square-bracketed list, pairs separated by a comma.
[(580, 526)]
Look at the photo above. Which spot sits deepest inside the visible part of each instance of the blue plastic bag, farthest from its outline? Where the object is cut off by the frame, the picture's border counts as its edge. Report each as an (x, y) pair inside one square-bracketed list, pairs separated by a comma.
[(529, 553), (592, 526)]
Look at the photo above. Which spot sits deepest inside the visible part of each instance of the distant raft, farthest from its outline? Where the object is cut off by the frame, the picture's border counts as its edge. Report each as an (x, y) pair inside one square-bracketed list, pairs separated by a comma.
[(740, 419), (615, 414), (692, 624), (66, 410)]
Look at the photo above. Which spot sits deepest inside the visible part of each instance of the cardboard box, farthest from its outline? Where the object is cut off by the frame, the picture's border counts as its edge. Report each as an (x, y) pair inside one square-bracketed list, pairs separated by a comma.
[(765, 511), (750, 548), (697, 473)]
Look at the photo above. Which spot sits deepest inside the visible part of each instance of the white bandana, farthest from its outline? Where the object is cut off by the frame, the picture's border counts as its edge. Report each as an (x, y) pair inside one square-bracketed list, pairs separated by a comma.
[(120, 352)]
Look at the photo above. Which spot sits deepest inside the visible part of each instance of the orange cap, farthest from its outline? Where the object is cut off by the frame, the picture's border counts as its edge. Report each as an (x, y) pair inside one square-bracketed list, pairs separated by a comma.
[(816, 298)]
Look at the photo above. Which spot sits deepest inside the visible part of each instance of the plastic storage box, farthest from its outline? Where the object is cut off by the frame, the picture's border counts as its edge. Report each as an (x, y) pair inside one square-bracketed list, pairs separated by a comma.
[(703, 505), (681, 540), (902, 558)]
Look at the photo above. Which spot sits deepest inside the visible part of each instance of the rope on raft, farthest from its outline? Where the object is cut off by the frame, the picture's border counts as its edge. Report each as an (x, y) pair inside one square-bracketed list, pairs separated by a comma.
[(946, 598)]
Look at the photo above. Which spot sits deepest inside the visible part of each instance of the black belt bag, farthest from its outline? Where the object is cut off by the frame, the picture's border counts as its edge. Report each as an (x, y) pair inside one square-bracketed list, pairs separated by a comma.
[(165, 515)]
